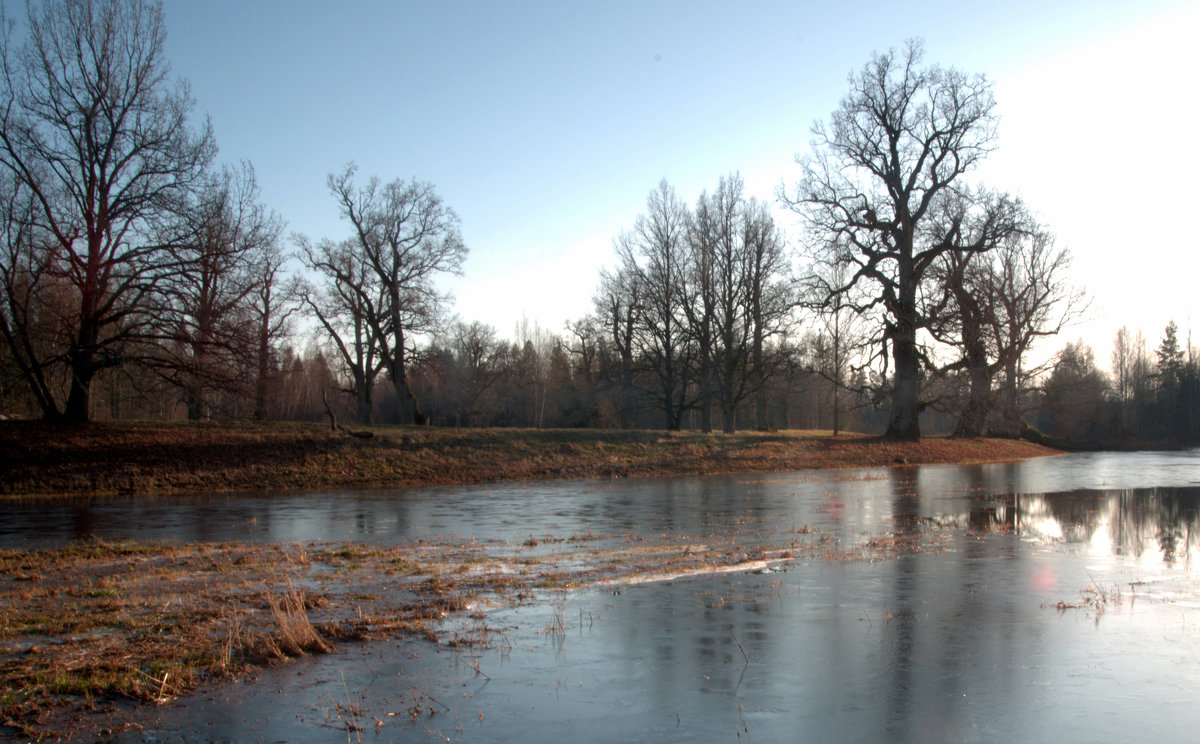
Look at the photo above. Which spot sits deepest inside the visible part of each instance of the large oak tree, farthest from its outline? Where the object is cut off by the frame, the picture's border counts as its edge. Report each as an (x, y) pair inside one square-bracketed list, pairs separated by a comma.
[(903, 136), (97, 144)]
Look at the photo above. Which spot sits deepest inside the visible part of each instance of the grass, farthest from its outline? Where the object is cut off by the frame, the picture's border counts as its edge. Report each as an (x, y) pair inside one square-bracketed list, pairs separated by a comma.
[(135, 458), (172, 625), (295, 634)]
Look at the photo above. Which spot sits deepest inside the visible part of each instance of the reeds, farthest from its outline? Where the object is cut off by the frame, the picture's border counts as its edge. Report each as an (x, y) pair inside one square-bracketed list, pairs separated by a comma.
[(294, 634)]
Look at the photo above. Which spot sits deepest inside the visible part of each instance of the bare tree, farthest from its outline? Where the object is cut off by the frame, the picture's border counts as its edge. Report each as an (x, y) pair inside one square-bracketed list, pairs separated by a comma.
[(697, 296), (405, 236), (271, 305), (996, 304), (348, 307), (201, 310), (618, 307), (653, 258), (1035, 300), (533, 346), (771, 299), (37, 299), (100, 145), (715, 296), (840, 340), (735, 298), (903, 136), (1124, 356), (478, 364)]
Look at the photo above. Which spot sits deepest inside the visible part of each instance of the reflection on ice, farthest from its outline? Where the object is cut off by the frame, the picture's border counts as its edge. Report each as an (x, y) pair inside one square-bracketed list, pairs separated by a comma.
[(963, 645), (1127, 504), (1151, 526), (1047, 527)]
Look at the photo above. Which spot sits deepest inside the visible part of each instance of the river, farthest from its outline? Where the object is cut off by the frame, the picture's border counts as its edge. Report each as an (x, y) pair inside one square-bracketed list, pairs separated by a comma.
[(1062, 602)]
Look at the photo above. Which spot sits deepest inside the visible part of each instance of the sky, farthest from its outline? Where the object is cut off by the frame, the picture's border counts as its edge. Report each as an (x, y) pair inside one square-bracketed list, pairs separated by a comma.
[(545, 125)]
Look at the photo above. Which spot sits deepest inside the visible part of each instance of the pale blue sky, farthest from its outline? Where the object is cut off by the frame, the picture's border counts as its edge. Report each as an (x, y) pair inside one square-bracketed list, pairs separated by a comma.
[(545, 125)]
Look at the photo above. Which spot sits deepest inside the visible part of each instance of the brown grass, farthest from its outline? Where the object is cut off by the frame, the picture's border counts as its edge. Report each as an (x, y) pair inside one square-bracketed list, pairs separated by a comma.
[(160, 621), (295, 634), (160, 458)]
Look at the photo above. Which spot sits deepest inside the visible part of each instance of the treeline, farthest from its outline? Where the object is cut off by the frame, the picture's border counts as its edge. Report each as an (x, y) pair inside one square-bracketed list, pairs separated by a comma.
[(1146, 396), (470, 376), (142, 279)]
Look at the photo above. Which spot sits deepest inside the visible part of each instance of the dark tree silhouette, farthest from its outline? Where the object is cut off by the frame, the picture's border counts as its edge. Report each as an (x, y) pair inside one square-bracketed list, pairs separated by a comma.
[(99, 145), (900, 139), (995, 306), (202, 311), (347, 306), (404, 235), (650, 280)]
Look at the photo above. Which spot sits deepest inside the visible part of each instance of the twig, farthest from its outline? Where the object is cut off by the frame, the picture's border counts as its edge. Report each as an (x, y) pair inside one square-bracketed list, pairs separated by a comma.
[(475, 665), (1099, 590), (352, 724), (431, 698), (739, 643), (333, 425)]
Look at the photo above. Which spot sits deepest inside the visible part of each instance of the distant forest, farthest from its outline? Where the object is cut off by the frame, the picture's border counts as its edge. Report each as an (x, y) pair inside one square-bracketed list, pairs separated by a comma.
[(141, 279)]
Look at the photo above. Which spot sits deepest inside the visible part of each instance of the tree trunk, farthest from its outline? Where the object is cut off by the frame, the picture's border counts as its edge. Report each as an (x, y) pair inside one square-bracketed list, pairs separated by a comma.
[(362, 390), (83, 369), (676, 406), (333, 424), (904, 424), (410, 407), (760, 411), (759, 378), (706, 407), (972, 422), (728, 406), (82, 359), (195, 402), (1010, 405), (79, 399), (837, 422), (837, 367), (263, 370)]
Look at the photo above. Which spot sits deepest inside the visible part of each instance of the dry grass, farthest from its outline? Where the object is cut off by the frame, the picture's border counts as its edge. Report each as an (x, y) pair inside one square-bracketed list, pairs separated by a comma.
[(159, 621), (295, 633), (159, 458)]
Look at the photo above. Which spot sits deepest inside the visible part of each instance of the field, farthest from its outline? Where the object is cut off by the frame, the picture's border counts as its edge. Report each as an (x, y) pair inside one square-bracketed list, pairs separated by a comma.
[(126, 458)]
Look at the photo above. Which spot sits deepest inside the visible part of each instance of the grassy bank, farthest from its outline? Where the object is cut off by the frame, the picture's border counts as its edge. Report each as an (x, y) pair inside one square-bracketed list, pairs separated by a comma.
[(43, 460)]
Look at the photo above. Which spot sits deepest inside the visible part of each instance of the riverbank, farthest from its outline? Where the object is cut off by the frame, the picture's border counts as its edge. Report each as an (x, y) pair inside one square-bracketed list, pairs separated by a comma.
[(137, 458), (96, 635)]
